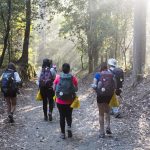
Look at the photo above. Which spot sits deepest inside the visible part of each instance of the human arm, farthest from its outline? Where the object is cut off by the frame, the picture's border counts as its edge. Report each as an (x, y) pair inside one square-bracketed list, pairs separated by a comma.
[(75, 82), (17, 77), (53, 71), (95, 81)]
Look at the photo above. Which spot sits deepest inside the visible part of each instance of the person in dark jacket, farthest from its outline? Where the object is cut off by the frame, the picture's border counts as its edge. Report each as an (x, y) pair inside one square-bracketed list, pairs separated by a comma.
[(47, 91)]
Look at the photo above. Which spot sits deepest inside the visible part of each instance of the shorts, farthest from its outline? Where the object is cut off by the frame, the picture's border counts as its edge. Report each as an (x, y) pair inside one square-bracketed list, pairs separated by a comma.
[(14, 94), (104, 99)]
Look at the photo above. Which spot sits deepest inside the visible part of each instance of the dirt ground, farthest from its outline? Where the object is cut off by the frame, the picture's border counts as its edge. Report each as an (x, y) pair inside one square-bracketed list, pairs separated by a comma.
[(31, 132)]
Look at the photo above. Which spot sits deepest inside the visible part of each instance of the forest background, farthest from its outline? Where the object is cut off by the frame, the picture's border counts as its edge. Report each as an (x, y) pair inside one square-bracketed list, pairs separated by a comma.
[(81, 32)]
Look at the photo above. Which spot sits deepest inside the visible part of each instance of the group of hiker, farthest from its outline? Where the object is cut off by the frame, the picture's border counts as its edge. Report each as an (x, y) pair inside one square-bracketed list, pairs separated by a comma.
[(107, 82)]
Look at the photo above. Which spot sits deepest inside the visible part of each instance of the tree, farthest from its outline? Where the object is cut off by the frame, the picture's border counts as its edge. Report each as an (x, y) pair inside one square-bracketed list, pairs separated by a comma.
[(139, 48), (25, 53), (7, 28)]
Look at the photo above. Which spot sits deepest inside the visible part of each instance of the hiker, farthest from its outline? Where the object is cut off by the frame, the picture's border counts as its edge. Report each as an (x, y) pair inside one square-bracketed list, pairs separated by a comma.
[(45, 82), (65, 86), (103, 84), (119, 78), (55, 67), (9, 87)]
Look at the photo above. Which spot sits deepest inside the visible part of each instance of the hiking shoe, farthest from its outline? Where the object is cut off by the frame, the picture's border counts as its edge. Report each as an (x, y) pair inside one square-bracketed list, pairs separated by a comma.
[(11, 119), (69, 134), (118, 115), (62, 136), (108, 131), (45, 118), (50, 117), (102, 135)]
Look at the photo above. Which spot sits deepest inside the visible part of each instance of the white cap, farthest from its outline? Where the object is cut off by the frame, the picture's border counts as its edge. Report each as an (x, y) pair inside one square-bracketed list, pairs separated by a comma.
[(112, 62)]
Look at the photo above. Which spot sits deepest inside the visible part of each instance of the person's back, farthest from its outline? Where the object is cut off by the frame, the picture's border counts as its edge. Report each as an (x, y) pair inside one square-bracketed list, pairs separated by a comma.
[(9, 87), (45, 83), (119, 78), (103, 84), (65, 86)]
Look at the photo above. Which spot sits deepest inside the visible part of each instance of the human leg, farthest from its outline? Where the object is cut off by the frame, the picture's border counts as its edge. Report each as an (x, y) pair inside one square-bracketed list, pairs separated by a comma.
[(50, 95), (61, 109), (107, 118), (7, 99), (101, 118), (44, 96), (13, 104), (69, 119)]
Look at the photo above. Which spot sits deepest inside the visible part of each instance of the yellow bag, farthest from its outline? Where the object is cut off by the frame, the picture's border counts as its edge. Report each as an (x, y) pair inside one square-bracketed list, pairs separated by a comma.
[(38, 96), (114, 101), (76, 103), (54, 98)]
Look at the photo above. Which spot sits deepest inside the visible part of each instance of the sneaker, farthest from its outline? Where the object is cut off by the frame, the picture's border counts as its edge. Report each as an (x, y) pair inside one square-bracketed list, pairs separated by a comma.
[(108, 131), (102, 135), (118, 115), (62, 136), (50, 117), (45, 118), (69, 133), (11, 119)]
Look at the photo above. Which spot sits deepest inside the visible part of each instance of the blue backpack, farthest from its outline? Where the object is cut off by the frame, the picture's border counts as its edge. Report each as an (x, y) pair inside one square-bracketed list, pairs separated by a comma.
[(65, 89), (9, 84)]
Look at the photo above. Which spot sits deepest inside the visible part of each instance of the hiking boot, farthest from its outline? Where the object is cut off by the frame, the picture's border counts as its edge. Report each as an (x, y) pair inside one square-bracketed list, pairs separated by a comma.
[(45, 118), (118, 115), (108, 131), (11, 119), (69, 134), (102, 135), (50, 117), (62, 136)]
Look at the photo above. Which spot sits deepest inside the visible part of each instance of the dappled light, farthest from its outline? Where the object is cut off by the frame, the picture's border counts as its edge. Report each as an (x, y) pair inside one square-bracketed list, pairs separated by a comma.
[(74, 74)]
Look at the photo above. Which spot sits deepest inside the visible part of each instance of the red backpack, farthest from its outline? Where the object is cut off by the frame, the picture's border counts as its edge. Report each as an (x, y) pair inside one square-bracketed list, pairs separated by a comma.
[(106, 84), (46, 78)]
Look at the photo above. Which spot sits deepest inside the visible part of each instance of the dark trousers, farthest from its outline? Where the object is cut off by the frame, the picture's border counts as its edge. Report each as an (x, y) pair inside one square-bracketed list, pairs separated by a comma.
[(47, 95), (65, 112)]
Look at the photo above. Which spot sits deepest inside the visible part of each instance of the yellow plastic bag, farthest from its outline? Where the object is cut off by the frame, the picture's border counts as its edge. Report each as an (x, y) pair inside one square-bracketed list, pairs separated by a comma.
[(38, 96), (114, 101), (54, 98), (76, 103)]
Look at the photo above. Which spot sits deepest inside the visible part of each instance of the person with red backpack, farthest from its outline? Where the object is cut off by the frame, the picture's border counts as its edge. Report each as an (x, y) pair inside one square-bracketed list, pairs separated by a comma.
[(104, 86), (9, 87), (65, 86), (45, 81), (119, 78)]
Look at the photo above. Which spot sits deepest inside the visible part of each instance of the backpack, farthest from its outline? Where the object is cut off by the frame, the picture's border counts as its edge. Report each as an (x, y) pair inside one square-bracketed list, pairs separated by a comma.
[(119, 76), (9, 84), (46, 78), (105, 86), (65, 89)]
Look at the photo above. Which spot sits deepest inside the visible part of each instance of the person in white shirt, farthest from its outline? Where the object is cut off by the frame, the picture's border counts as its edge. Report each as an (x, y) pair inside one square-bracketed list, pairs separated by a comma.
[(9, 87), (112, 64)]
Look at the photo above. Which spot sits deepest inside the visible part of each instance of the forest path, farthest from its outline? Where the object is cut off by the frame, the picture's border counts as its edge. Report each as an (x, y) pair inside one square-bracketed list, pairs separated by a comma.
[(31, 132)]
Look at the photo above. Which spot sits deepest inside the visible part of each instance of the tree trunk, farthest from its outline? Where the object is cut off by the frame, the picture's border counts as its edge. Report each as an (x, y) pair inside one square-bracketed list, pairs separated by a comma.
[(25, 54), (6, 38), (139, 48), (92, 36)]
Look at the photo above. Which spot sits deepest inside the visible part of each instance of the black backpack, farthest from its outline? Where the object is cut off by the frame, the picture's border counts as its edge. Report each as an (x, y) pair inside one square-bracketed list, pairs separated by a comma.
[(119, 76), (8, 84), (105, 86), (65, 89), (46, 78)]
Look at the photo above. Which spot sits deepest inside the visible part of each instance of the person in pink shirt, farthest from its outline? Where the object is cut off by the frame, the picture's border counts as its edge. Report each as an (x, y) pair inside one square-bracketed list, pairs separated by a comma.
[(65, 86)]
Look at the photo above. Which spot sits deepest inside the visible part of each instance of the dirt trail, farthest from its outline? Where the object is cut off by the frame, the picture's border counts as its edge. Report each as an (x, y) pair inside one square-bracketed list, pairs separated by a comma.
[(31, 132)]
